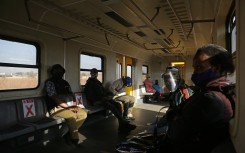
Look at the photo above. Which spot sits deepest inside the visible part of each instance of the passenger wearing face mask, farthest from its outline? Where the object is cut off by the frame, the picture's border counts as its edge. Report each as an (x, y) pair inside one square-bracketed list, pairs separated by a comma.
[(61, 102), (201, 122)]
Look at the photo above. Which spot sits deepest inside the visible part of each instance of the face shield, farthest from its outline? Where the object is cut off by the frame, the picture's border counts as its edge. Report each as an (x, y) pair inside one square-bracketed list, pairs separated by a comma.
[(171, 78)]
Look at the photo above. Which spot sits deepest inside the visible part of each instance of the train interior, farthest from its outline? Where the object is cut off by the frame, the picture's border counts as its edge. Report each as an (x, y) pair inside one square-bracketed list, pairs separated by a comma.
[(128, 38)]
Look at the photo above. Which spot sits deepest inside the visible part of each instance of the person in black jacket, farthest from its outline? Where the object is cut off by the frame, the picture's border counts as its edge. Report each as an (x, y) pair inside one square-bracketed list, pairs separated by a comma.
[(95, 93), (61, 102), (201, 122)]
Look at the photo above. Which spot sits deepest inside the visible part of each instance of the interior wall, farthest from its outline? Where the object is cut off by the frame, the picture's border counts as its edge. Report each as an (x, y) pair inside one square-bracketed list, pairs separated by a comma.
[(238, 131), (188, 70)]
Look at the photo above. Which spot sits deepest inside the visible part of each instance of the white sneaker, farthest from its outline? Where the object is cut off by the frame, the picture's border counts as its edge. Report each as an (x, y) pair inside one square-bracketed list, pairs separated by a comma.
[(131, 117)]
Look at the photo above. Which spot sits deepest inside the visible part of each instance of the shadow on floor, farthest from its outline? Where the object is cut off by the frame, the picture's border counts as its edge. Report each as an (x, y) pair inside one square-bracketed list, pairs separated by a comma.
[(100, 134)]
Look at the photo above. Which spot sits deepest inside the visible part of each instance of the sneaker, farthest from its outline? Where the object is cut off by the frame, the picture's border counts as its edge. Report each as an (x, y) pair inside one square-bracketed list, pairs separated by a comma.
[(125, 128), (131, 117), (76, 143)]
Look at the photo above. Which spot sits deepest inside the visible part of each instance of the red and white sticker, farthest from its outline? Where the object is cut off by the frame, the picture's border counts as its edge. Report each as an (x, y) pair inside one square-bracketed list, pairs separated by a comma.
[(79, 99), (28, 108)]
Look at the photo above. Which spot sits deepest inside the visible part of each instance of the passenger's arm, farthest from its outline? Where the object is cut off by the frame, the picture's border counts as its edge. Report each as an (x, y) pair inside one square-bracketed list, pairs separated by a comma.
[(112, 88), (59, 102), (51, 92)]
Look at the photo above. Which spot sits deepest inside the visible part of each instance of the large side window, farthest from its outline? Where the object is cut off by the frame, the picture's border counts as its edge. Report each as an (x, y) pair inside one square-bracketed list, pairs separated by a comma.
[(19, 64), (87, 62), (145, 71), (231, 36), (129, 71), (119, 70)]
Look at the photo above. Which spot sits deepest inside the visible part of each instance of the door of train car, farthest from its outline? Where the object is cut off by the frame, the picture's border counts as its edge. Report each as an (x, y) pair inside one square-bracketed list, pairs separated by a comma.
[(125, 68), (181, 67)]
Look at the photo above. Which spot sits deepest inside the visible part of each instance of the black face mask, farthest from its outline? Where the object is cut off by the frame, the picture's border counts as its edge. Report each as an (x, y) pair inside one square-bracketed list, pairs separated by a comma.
[(58, 74), (201, 79)]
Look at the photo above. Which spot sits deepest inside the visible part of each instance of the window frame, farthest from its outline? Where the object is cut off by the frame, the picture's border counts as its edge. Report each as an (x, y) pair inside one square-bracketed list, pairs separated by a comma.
[(147, 69), (36, 66), (230, 26), (88, 70), (119, 70), (131, 66)]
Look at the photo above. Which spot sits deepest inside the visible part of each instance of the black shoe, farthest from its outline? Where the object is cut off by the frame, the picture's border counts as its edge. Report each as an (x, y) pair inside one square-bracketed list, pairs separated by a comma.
[(125, 128), (67, 138), (76, 143)]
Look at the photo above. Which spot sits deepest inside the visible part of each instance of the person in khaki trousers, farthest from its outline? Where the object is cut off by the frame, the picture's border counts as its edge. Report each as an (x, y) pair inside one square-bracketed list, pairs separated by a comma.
[(61, 102)]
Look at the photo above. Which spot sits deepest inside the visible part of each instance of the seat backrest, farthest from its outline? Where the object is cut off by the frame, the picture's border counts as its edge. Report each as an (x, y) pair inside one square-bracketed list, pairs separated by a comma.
[(31, 109), (142, 89), (8, 114), (86, 103)]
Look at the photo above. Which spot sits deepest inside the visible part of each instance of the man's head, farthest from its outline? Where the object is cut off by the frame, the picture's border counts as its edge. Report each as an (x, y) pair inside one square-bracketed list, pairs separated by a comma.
[(57, 71), (210, 62), (94, 73), (147, 76), (127, 81)]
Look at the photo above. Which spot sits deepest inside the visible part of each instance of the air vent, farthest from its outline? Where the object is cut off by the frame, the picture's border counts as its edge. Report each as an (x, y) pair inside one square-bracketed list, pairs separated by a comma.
[(140, 33), (119, 19), (170, 40), (167, 41), (165, 50), (157, 32), (162, 31), (154, 43)]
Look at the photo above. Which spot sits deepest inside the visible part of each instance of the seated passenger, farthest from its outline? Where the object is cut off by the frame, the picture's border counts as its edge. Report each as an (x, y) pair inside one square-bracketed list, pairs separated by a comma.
[(62, 103), (149, 87), (117, 89), (95, 92), (148, 84), (156, 86), (201, 122)]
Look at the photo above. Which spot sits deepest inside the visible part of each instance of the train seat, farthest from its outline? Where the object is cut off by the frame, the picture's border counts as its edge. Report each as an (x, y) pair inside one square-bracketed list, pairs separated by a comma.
[(33, 111), (143, 91), (10, 127), (89, 107), (143, 94)]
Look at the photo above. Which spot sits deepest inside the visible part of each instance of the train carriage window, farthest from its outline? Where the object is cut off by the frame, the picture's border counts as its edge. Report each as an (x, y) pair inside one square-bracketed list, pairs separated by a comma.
[(129, 71), (119, 70), (144, 71), (87, 62), (231, 36), (19, 64)]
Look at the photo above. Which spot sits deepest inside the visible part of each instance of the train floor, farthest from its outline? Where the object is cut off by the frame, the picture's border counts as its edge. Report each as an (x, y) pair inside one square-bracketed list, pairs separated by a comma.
[(99, 134)]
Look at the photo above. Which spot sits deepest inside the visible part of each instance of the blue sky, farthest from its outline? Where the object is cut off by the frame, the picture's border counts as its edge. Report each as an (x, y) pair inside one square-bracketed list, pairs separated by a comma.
[(16, 53)]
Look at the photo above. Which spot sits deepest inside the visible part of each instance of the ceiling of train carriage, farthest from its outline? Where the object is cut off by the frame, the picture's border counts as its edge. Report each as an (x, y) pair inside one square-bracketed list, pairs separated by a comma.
[(170, 27)]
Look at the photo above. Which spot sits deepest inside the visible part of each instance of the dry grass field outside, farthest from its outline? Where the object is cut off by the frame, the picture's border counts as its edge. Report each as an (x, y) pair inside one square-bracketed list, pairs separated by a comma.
[(17, 82), (85, 75)]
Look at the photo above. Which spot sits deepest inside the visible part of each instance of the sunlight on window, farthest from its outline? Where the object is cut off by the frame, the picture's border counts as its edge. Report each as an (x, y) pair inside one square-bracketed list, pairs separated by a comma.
[(18, 65)]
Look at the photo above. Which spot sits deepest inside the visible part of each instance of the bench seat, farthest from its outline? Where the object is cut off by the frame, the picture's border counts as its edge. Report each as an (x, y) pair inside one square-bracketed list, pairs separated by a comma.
[(10, 126), (91, 109), (26, 121)]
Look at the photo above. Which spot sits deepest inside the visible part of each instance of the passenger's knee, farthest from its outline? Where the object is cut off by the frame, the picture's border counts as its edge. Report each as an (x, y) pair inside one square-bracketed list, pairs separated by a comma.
[(82, 113)]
